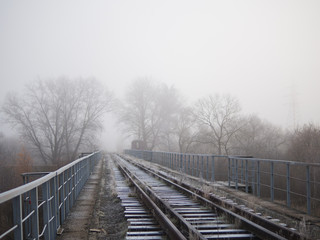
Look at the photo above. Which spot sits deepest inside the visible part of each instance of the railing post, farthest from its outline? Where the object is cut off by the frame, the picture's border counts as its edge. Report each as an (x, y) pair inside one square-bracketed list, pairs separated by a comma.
[(253, 172), (26, 209), (46, 210), (164, 154), (236, 174), (72, 183), (67, 180), (229, 171), (198, 168), (177, 161), (212, 170), (242, 171), (258, 178), (35, 215), (77, 179), (192, 164), (62, 195), (55, 206), (172, 161), (247, 178), (232, 171), (308, 191), (272, 182), (202, 162), (288, 185), (17, 217), (207, 177)]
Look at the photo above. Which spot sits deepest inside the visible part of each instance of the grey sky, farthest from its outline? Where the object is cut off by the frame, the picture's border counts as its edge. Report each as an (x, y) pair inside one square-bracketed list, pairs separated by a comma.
[(266, 53)]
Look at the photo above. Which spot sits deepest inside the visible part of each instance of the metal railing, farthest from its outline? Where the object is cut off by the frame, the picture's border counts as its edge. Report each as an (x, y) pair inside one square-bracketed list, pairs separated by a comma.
[(295, 184), (41, 206)]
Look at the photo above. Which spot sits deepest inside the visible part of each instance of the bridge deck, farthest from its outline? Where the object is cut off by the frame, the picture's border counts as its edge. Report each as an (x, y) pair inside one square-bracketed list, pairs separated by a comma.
[(83, 216)]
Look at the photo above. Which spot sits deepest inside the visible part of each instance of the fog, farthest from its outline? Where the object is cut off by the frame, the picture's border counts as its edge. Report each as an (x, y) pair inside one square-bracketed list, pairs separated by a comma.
[(265, 53)]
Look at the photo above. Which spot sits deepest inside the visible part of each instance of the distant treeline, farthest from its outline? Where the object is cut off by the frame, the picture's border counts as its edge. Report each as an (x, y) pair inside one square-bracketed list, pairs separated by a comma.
[(159, 116)]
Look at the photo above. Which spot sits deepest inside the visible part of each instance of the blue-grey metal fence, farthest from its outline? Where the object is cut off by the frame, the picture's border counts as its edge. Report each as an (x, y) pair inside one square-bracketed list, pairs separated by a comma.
[(295, 184), (51, 195)]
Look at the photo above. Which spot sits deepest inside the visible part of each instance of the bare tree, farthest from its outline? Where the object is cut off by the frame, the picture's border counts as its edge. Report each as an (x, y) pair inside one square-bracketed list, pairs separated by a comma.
[(148, 112), (185, 130), (57, 115), (259, 138), (169, 107), (217, 117), (304, 144), (135, 112)]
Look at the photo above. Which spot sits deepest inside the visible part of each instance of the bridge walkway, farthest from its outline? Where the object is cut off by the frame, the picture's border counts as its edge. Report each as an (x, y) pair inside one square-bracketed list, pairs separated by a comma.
[(79, 220)]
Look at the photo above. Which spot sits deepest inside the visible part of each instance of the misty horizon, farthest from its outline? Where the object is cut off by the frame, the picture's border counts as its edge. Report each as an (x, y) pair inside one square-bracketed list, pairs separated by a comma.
[(266, 54)]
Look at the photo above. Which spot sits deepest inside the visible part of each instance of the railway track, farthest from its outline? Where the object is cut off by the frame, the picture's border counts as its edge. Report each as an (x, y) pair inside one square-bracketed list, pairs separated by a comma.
[(142, 224), (176, 212)]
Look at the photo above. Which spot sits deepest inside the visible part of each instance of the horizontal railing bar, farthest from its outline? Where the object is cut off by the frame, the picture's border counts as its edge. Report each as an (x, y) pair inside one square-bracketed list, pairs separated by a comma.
[(298, 194), (34, 173), (280, 189), (62, 169), (262, 184), (298, 179), (275, 161), (236, 157), (5, 196), (314, 199)]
